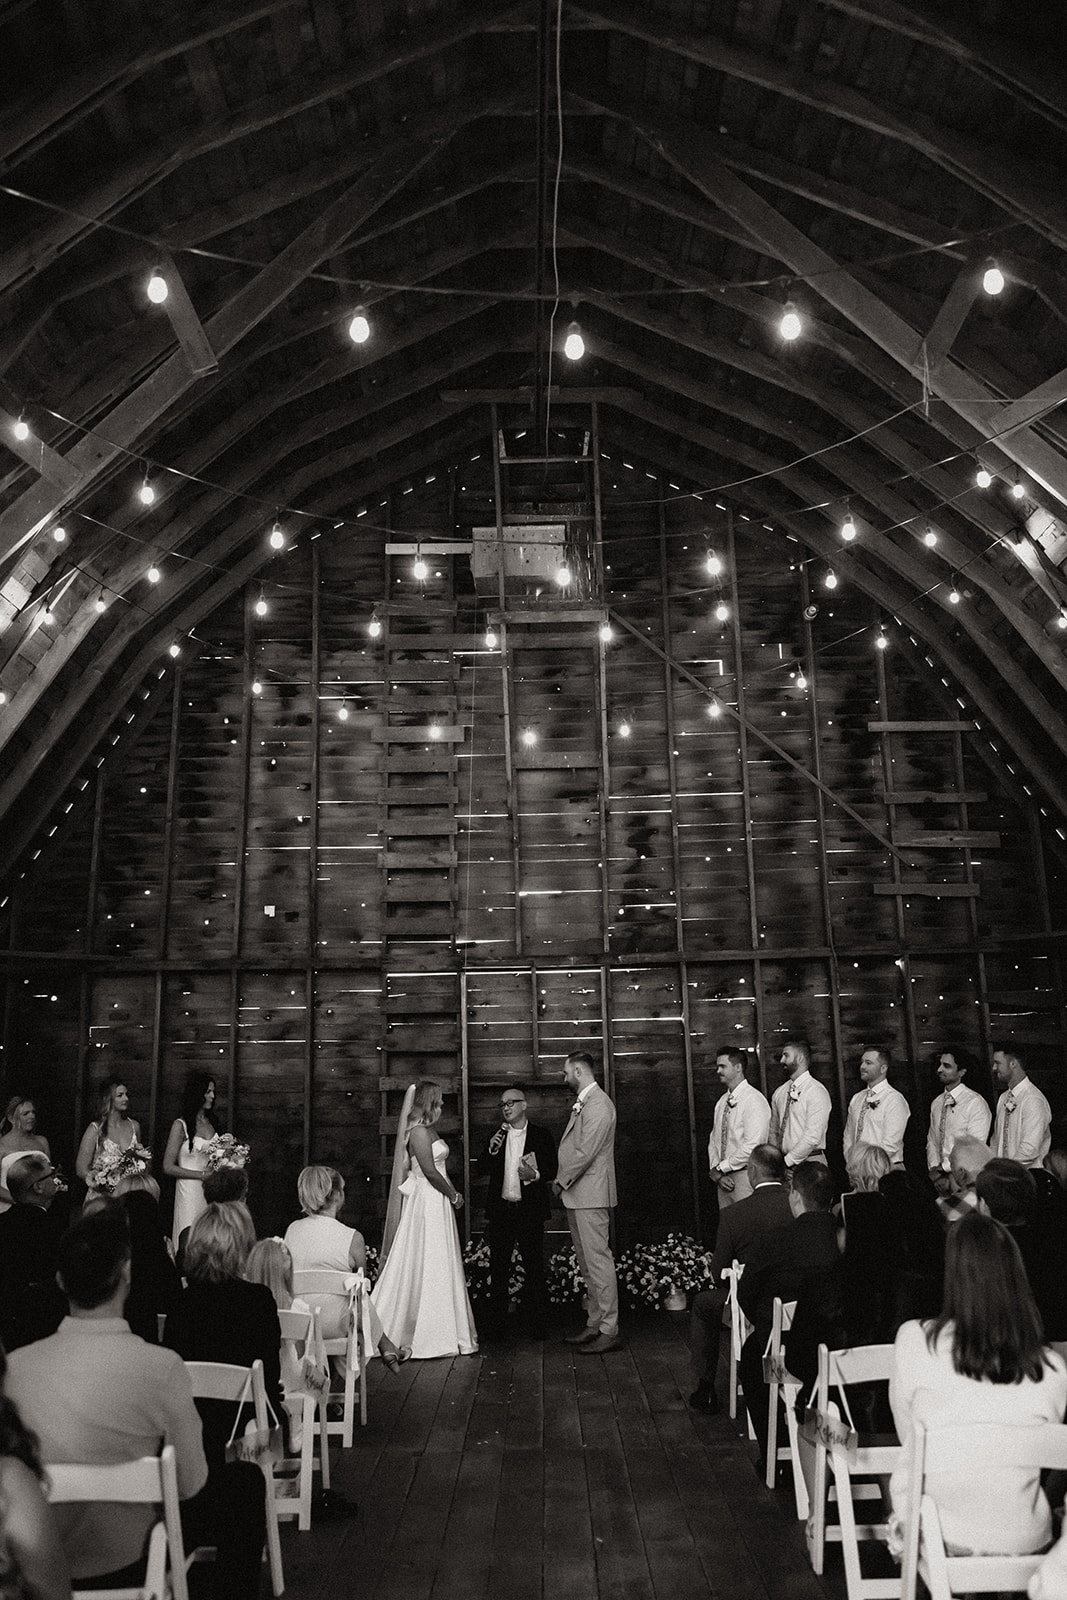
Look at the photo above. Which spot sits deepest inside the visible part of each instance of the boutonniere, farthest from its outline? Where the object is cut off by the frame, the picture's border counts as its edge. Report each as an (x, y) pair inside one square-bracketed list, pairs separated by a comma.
[(730, 1102), (577, 1106), (1009, 1104), (794, 1094), (872, 1101)]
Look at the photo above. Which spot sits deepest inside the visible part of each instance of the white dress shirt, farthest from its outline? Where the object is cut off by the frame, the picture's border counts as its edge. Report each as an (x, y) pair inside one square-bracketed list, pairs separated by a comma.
[(742, 1120), (878, 1115), (966, 1116), (800, 1110), (1024, 1118), (511, 1189)]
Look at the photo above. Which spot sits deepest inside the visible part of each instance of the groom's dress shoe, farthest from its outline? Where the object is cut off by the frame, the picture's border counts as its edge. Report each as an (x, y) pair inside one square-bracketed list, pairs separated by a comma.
[(585, 1337), (601, 1345)]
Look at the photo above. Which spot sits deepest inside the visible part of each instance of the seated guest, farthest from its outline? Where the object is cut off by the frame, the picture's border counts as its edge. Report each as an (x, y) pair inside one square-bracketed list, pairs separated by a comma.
[(93, 1392), (913, 1216), (221, 1186), (318, 1242), (221, 1317), (982, 1360), (778, 1266), (867, 1166), (766, 1208), (968, 1158), (31, 1306), (1007, 1191), (155, 1284), (32, 1563)]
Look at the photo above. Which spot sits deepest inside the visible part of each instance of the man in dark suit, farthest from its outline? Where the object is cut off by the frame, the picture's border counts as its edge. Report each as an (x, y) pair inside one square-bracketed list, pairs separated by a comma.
[(778, 1264), (766, 1208), (520, 1162)]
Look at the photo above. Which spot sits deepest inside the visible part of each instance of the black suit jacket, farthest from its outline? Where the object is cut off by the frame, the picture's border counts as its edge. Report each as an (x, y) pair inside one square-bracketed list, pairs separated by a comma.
[(780, 1262), (537, 1196), (741, 1225), (233, 1321)]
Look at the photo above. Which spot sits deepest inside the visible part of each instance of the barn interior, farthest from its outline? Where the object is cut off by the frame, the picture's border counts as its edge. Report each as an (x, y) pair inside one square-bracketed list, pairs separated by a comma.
[(388, 692)]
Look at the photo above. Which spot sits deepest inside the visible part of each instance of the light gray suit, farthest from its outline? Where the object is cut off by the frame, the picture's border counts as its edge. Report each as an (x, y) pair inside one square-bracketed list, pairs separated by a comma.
[(586, 1176)]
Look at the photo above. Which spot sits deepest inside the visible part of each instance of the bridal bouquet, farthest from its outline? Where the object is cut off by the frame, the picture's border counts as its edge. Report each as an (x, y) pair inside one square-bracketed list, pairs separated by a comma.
[(224, 1151), (110, 1166)]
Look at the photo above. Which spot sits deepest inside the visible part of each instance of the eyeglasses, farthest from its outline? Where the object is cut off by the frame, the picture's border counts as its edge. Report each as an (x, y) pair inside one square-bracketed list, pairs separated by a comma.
[(512, 1103)]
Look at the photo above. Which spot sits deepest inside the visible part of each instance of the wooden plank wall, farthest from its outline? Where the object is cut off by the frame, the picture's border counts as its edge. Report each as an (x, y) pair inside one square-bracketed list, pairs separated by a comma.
[(318, 907)]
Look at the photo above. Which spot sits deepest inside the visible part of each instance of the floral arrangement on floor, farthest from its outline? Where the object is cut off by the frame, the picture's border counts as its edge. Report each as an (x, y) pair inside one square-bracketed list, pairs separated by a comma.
[(224, 1151), (564, 1281), (111, 1166), (649, 1272), (476, 1268), (373, 1266)]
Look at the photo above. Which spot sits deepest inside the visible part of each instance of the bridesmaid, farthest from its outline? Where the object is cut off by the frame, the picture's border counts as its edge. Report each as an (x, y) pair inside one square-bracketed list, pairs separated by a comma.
[(185, 1158), (114, 1130), (18, 1135)]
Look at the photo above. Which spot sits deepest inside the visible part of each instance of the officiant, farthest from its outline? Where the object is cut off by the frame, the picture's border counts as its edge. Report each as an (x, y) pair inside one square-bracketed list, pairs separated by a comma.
[(520, 1163)]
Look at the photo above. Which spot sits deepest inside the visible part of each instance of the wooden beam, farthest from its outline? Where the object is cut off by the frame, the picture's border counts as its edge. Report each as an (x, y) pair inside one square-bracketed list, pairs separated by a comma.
[(51, 466), (950, 319), (187, 326)]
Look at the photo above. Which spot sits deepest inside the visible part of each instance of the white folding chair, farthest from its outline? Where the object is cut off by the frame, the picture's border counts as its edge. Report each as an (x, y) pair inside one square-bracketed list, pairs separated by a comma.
[(153, 1480), (217, 1380), (782, 1384), (293, 1491), (856, 1473), (979, 1449), (306, 1286), (740, 1328)]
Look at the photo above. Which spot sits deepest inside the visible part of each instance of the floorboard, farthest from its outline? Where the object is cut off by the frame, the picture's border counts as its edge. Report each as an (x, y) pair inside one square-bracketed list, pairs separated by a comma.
[(531, 1471)]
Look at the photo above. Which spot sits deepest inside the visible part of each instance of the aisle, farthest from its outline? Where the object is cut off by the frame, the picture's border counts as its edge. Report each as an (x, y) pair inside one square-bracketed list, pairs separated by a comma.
[(529, 1473)]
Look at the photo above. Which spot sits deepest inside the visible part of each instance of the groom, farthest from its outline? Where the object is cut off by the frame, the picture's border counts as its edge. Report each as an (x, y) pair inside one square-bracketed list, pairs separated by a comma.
[(585, 1179)]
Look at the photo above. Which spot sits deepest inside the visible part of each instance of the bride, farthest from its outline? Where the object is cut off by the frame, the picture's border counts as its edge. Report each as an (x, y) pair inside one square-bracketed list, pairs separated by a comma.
[(421, 1293)]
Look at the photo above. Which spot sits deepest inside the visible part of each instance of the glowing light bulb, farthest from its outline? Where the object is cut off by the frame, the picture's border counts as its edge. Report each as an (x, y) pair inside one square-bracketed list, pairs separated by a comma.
[(420, 569), (881, 643), (713, 564), (802, 682), (993, 279), (21, 429), (3, 697), (1017, 491), (277, 538), (930, 538), (359, 327), (257, 687), (157, 290), (848, 530), (529, 737), (343, 714), (59, 535), (491, 639), (574, 344), (146, 494), (374, 628), (261, 607), (563, 576), (1061, 620), (100, 604), (624, 730), (830, 580), (722, 611), (153, 575), (48, 615), (607, 633), (790, 326), (983, 478), (714, 710), (954, 596), (435, 730), (175, 650)]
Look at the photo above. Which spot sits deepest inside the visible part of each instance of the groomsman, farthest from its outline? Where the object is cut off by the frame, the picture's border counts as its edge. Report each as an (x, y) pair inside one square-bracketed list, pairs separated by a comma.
[(957, 1113), (800, 1108), (1024, 1116), (877, 1113), (585, 1179), (742, 1120)]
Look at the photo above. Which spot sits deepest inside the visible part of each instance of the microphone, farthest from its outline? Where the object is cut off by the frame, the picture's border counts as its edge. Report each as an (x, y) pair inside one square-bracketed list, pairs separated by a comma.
[(498, 1138)]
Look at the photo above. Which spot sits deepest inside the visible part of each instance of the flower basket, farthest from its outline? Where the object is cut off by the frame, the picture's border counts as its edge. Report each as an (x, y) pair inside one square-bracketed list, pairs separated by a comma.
[(649, 1273)]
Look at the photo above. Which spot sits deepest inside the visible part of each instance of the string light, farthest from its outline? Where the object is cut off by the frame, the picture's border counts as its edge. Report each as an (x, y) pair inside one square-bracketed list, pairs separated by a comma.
[(175, 650), (146, 494), (277, 537), (374, 626), (983, 478), (158, 289), (491, 639), (529, 737), (343, 712), (722, 611), (607, 633), (435, 730), (359, 327), (830, 579), (100, 604), (1017, 490), (802, 682), (993, 278), (848, 528), (574, 344), (954, 596), (714, 709), (257, 687), (48, 615), (930, 538), (882, 642), (153, 575), (790, 327), (420, 570), (59, 534), (1061, 620), (21, 429), (713, 564), (563, 576), (261, 607), (3, 697)]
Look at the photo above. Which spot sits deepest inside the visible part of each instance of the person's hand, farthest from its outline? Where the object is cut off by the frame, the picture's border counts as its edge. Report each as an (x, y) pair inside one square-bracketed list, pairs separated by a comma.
[(557, 1189), (457, 1200)]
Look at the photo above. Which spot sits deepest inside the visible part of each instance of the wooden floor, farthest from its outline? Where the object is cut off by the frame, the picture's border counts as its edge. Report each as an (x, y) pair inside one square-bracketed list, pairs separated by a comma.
[(529, 1473)]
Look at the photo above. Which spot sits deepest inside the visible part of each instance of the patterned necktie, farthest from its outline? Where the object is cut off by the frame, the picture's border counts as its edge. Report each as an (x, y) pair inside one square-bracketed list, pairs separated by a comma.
[(729, 1106), (863, 1118), (946, 1106), (1009, 1107)]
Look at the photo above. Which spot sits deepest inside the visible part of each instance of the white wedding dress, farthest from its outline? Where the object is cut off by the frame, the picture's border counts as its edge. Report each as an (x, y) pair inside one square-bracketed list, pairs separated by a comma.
[(189, 1199), (421, 1294)]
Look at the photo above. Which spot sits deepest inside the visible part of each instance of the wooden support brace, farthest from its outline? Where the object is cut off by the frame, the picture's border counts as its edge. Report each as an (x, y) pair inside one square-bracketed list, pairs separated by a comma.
[(186, 324)]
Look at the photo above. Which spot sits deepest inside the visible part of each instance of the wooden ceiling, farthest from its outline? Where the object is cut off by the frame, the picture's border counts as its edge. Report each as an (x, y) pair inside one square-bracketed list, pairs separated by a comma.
[(688, 166)]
